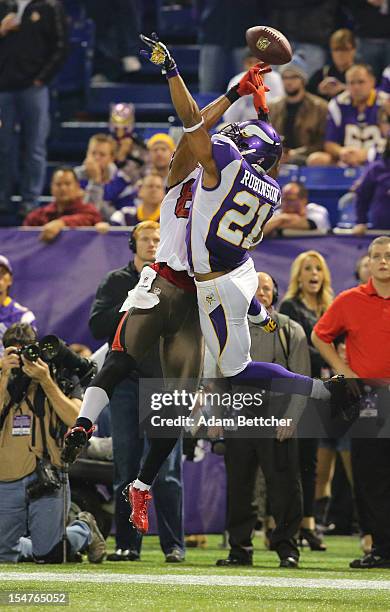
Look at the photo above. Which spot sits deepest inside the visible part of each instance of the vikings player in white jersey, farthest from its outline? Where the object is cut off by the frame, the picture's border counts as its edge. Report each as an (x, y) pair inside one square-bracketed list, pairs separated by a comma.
[(163, 304)]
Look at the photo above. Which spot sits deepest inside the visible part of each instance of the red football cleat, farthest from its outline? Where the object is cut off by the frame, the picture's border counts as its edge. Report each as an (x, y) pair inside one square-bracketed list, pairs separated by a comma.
[(139, 501)]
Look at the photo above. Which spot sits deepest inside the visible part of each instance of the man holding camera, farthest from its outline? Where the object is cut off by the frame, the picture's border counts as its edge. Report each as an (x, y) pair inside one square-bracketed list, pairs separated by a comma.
[(34, 416)]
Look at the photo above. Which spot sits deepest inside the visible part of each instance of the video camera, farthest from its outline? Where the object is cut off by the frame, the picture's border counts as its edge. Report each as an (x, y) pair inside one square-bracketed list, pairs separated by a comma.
[(53, 350)]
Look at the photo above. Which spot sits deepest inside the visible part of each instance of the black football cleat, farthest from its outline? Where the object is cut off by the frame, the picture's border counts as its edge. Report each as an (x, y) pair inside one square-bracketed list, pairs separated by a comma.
[(75, 440), (344, 397), (370, 561), (233, 561), (289, 562)]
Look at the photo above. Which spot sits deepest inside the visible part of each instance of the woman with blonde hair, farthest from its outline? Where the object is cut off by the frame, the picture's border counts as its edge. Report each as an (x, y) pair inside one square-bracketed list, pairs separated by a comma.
[(308, 296)]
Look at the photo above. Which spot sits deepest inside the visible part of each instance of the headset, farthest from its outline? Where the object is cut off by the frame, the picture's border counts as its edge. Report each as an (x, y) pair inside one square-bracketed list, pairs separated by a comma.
[(275, 291), (132, 242)]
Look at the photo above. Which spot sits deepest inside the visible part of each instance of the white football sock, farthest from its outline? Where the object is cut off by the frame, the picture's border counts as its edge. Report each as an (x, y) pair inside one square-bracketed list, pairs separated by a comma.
[(95, 399), (319, 391), (138, 484)]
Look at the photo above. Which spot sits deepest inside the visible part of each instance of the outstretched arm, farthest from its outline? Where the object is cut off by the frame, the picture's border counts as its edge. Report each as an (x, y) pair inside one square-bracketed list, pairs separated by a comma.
[(197, 138), (184, 161)]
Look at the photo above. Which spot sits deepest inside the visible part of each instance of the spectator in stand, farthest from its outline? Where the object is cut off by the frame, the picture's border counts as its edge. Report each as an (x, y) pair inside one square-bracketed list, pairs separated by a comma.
[(150, 195), (385, 82), (131, 152), (362, 269), (161, 147), (352, 125), (66, 210), (104, 185), (10, 311), (243, 109), (127, 444), (318, 17), (308, 296), (33, 46), (372, 27), (117, 24), (297, 212), (373, 195), (376, 150), (329, 81), (298, 116), (352, 313), (222, 27)]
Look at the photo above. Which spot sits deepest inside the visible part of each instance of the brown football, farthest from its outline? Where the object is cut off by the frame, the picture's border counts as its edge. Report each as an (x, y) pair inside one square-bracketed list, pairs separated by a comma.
[(269, 45)]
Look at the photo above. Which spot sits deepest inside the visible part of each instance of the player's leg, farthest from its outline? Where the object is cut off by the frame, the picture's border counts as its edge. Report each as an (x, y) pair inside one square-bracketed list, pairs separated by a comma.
[(181, 360), (137, 332), (223, 308)]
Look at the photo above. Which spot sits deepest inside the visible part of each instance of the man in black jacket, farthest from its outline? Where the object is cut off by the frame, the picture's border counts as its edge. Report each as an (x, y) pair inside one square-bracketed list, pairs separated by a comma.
[(33, 45), (128, 447)]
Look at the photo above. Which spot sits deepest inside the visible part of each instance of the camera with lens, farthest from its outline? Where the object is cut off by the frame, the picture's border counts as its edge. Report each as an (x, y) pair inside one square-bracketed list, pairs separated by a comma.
[(47, 482), (53, 350)]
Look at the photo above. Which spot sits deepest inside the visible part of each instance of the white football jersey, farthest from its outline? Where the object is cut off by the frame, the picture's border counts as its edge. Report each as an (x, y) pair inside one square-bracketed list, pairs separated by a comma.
[(175, 209)]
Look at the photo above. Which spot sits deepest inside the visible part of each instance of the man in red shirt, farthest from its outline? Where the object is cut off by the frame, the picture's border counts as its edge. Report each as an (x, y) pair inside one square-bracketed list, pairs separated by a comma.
[(67, 208), (363, 314)]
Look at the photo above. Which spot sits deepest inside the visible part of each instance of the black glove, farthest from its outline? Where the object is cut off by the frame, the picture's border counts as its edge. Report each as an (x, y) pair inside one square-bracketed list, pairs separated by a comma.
[(159, 54)]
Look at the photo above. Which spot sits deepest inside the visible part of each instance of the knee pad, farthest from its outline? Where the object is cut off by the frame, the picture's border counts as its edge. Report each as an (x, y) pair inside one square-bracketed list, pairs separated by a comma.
[(116, 368)]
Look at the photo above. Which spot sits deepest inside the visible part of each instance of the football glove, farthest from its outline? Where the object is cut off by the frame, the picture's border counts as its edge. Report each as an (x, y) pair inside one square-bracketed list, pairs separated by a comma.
[(158, 54), (252, 78), (254, 84)]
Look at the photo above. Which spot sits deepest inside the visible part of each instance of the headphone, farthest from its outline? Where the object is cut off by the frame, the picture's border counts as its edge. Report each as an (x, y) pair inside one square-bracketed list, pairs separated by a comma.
[(132, 242), (275, 291)]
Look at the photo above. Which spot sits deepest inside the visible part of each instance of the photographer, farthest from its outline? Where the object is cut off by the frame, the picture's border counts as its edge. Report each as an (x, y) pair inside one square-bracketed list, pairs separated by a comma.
[(34, 416)]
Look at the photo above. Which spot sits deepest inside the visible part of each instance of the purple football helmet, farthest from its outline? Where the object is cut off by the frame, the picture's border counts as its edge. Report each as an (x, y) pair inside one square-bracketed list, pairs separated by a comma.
[(257, 141)]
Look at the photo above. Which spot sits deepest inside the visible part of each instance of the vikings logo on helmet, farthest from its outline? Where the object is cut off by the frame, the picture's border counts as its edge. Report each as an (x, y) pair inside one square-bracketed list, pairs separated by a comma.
[(257, 142)]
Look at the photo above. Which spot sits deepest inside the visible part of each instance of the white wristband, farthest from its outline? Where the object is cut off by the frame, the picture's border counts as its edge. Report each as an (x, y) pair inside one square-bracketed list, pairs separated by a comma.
[(194, 127)]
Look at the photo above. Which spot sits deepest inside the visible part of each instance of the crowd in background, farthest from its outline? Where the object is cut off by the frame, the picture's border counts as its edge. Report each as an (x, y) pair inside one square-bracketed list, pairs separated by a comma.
[(330, 104)]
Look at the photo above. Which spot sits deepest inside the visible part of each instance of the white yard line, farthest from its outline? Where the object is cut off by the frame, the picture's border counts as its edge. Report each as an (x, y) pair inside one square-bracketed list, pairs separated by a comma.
[(193, 580)]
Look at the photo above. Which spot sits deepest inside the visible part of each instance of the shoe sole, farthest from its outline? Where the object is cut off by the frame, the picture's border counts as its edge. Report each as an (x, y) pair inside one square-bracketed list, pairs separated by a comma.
[(126, 495)]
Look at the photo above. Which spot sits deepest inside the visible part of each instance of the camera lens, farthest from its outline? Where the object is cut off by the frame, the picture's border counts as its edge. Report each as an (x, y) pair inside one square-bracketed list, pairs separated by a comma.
[(31, 352)]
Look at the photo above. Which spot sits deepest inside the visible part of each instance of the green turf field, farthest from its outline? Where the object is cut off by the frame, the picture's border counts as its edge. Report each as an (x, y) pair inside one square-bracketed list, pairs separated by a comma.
[(323, 582)]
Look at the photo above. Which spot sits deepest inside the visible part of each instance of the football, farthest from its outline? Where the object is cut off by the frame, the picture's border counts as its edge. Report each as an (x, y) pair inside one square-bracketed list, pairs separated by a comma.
[(269, 45)]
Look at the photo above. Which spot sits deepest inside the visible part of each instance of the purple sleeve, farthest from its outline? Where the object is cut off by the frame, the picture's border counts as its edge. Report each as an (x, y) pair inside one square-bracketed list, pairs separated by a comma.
[(385, 83), (113, 189), (334, 131), (364, 194), (224, 151)]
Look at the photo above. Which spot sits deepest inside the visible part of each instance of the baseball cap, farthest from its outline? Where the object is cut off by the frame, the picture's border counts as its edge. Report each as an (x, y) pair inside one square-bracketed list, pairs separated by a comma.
[(296, 66), (5, 263), (161, 137)]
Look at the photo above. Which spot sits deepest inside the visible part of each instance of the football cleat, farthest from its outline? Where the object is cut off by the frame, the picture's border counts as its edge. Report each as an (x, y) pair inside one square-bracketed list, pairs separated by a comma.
[(139, 501), (344, 397), (75, 440)]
